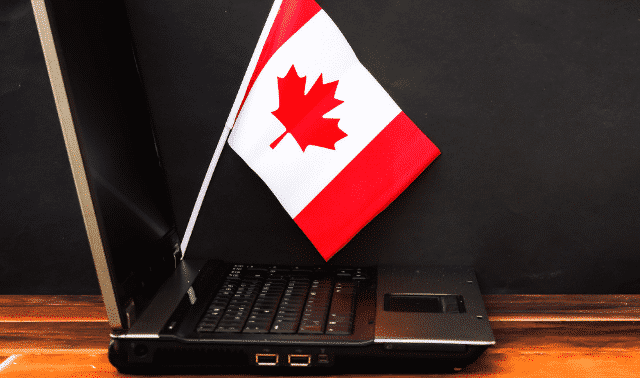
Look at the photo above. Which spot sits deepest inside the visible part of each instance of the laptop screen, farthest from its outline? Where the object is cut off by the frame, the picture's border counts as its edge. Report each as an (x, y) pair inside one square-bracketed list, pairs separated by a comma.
[(113, 128)]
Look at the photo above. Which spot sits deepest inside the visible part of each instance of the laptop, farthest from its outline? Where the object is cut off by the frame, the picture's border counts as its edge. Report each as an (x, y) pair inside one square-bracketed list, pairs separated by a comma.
[(170, 312)]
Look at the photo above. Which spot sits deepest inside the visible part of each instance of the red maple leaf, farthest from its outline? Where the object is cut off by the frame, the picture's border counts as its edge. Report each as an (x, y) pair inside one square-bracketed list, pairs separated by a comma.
[(302, 115)]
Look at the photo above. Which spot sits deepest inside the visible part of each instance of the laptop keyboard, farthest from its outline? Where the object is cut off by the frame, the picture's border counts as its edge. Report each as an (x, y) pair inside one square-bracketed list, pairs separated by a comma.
[(284, 300)]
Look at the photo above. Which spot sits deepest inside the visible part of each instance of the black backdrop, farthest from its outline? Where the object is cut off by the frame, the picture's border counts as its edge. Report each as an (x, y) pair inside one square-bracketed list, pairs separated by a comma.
[(534, 105)]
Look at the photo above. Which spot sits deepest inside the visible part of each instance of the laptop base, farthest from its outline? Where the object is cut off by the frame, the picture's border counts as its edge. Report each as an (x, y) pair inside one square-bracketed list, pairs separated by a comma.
[(407, 319), (177, 358)]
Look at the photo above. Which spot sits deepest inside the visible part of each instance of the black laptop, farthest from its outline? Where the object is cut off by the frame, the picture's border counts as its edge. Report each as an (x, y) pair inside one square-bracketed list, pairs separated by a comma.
[(172, 313)]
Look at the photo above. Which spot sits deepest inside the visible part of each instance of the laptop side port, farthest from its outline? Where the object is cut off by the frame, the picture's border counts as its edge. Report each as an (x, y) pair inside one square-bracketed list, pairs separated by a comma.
[(263, 359), (323, 359), (299, 359)]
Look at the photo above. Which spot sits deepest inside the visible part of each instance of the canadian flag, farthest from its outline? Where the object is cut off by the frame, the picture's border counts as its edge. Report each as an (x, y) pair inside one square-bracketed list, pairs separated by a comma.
[(320, 131)]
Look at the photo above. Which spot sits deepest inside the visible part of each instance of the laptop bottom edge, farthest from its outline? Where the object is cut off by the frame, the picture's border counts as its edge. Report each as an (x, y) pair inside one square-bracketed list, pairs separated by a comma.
[(156, 356)]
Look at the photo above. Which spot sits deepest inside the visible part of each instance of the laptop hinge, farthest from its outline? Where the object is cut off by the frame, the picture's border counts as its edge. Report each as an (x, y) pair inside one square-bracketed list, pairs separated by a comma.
[(177, 255), (130, 313)]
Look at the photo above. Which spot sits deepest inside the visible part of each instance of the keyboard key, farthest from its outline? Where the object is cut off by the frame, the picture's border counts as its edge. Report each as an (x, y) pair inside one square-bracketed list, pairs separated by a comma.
[(310, 329), (257, 326), (287, 318), (229, 329), (256, 329), (237, 307), (284, 327), (338, 330), (312, 322), (267, 311), (297, 270), (344, 272), (253, 268), (313, 319), (263, 317), (205, 329), (265, 306)]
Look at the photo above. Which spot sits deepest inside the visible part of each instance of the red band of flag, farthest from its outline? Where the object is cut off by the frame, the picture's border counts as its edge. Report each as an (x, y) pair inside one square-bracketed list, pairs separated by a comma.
[(367, 185)]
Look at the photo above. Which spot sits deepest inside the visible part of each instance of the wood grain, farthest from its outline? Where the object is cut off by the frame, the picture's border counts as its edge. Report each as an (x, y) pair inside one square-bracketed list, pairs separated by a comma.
[(536, 336), (561, 307), (51, 308), (24, 337)]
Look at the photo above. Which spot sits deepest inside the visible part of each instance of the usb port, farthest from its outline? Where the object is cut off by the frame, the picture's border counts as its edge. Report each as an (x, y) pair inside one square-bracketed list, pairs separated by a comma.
[(299, 359), (323, 359), (266, 359)]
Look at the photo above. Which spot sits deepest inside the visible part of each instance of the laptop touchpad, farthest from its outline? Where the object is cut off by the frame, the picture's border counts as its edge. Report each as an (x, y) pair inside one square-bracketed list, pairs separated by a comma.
[(433, 303)]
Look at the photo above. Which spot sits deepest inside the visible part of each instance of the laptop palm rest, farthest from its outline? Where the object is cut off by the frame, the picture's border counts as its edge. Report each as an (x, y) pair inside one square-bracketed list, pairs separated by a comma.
[(430, 306)]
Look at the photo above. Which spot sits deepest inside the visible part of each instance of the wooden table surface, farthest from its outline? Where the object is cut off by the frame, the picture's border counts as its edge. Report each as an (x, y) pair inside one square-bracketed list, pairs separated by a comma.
[(536, 336)]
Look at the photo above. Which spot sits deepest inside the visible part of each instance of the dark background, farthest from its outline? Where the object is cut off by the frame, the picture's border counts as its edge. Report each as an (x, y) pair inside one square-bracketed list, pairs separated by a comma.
[(534, 105)]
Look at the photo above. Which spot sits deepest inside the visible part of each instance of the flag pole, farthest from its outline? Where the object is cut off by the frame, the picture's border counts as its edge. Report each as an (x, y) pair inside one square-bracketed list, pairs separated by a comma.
[(229, 124)]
